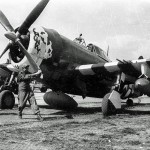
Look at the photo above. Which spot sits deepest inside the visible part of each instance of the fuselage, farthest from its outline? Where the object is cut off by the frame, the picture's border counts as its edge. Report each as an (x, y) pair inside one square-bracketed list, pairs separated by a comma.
[(58, 56), (66, 56)]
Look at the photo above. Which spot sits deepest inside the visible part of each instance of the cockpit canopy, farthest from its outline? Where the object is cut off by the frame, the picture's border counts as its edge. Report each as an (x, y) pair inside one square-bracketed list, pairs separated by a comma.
[(98, 51)]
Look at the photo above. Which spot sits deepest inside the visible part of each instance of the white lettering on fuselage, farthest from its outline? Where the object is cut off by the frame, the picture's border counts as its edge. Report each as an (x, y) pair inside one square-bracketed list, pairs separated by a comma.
[(42, 43)]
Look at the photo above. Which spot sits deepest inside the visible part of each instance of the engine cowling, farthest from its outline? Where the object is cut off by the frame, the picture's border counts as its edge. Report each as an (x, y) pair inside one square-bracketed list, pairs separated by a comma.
[(143, 85), (59, 100), (39, 47)]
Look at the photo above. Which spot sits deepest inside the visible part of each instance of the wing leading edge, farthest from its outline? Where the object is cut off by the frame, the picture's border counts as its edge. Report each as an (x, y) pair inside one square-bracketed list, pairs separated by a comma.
[(133, 68)]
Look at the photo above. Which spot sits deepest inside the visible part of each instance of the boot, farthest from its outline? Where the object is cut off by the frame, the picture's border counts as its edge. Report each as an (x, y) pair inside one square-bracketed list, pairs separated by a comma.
[(39, 117), (19, 113)]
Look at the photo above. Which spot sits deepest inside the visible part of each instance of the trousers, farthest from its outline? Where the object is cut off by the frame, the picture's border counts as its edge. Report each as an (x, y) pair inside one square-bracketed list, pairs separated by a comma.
[(25, 96)]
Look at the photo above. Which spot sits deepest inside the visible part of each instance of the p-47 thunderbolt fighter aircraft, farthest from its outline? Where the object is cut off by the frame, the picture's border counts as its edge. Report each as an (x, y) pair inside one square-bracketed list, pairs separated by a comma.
[(69, 67)]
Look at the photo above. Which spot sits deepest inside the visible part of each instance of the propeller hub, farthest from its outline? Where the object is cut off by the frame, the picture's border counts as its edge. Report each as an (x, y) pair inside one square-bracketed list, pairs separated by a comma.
[(11, 36)]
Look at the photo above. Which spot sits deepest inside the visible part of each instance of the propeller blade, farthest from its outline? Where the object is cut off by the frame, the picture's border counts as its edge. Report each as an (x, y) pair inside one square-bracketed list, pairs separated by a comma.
[(5, 50), (12, 36), (31, 61), (33, 16), (5, 23)]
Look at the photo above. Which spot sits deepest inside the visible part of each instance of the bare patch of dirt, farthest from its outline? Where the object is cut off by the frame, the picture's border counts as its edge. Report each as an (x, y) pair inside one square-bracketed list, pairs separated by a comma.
[(86, 131)]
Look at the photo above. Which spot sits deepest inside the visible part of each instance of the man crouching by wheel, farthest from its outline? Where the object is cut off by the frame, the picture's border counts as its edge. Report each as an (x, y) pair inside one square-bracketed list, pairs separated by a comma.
[(25, 93)]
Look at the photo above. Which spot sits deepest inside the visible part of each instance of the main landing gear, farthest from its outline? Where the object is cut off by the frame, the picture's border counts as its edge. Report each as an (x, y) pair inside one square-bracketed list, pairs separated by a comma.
[(112, 101), (107, 106), (129, 102), (7, 100)]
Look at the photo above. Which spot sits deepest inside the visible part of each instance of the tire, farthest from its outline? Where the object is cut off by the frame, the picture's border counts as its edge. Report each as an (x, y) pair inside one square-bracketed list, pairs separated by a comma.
[(107, 106), (129, 102), (43, 89), (7, 100)]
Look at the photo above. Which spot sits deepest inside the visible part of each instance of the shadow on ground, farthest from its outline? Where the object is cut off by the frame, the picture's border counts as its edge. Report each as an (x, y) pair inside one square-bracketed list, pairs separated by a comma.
[(136, 109)]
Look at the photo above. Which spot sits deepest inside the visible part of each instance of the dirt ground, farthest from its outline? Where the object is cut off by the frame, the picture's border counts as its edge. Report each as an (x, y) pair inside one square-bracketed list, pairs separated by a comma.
[(86, 130)]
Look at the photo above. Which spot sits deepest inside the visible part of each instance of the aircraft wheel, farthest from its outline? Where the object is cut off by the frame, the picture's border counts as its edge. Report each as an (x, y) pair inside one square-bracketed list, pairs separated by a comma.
[(7, 100), (129, 102), (107, 106), (43, 89)]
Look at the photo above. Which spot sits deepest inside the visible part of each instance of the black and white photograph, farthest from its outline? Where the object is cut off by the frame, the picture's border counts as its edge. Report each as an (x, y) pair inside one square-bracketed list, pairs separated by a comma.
[(75, 75)]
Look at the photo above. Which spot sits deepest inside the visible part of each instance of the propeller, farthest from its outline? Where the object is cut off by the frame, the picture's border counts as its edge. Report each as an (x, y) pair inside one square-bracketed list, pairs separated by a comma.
[(7, 26), (5, 50), (33, 16), (12, 36), (22, 29), (5, 23)]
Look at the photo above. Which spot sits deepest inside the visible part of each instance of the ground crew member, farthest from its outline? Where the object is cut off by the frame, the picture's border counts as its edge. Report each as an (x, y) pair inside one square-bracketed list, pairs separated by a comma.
[(80, 40), (25, 93)]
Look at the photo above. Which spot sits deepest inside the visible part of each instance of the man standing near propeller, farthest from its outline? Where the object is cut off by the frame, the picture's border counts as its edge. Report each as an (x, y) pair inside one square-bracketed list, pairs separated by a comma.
[(25, 92)]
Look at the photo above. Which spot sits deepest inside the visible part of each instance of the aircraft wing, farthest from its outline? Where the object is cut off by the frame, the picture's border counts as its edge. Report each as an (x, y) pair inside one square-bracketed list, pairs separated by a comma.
[(133, 68)]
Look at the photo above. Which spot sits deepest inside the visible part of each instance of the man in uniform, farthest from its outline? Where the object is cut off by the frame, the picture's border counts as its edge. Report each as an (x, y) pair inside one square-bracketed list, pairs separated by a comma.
[(80, 40), (25, 92)]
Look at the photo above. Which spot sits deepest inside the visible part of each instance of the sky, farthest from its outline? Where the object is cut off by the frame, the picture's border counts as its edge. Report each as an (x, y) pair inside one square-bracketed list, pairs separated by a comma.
[(124, 25)]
